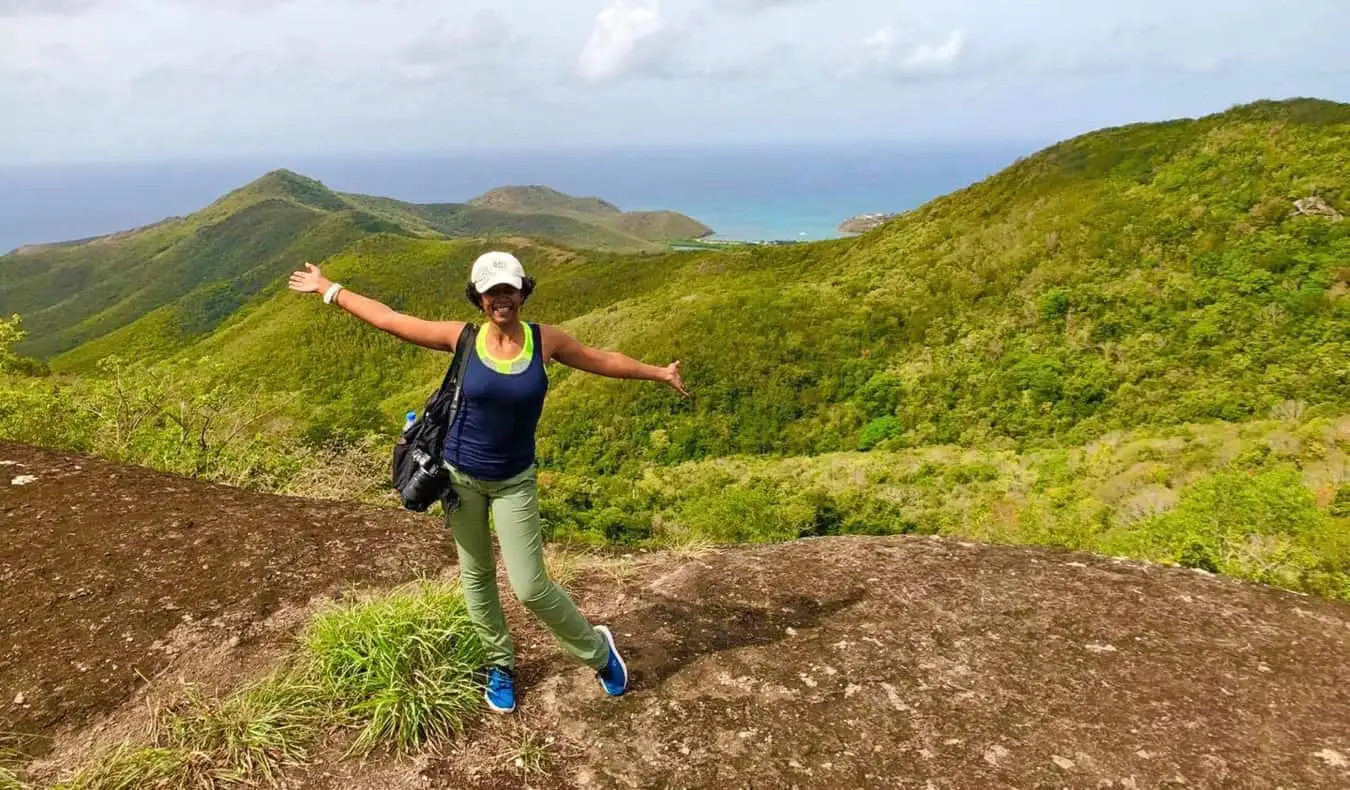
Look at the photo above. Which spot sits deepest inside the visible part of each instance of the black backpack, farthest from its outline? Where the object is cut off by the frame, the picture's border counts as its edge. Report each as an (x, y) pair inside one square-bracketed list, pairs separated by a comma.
[(419, 475)]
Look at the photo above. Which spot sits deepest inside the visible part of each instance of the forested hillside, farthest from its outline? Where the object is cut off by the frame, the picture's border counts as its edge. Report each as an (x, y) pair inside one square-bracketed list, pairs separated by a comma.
[(1113, 344), (1146, 276)]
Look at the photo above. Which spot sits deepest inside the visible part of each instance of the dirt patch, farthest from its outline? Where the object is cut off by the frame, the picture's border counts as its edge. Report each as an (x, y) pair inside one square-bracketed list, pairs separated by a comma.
[(110, 573)]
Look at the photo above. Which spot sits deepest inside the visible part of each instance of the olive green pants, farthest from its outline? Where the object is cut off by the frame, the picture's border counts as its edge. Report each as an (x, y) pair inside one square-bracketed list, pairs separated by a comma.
[(514, 506)]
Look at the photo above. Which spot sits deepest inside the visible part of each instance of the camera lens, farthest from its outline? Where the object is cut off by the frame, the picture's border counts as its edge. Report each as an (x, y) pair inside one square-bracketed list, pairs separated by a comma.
[(426, 483)]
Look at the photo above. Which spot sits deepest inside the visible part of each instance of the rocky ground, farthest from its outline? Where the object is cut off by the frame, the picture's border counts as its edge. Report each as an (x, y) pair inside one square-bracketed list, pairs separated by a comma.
[(864, 223), (110, 572), (905, 662)]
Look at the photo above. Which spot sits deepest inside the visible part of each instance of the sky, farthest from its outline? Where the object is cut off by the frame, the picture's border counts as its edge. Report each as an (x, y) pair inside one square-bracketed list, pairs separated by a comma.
[(138, 80)]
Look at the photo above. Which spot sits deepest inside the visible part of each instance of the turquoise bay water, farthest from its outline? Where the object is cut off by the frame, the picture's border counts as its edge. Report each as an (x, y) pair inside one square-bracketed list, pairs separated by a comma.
[(743, 193)]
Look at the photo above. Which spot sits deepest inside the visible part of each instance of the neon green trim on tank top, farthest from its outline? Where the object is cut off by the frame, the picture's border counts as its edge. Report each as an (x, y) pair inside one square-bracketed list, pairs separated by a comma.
[(507, 367)]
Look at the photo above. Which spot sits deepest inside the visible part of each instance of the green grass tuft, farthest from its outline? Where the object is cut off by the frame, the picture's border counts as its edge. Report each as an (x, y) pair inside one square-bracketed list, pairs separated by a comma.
[(400, 667), (250, 734), (129, 768), (9, 781), (11, 761), (530, 754)]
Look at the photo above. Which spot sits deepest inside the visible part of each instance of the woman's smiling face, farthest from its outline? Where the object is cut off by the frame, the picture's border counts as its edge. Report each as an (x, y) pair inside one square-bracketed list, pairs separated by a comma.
[(502, 304)]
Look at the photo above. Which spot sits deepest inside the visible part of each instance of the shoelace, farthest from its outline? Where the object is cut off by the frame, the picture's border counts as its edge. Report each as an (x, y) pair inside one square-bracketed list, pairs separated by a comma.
[(498, 679)]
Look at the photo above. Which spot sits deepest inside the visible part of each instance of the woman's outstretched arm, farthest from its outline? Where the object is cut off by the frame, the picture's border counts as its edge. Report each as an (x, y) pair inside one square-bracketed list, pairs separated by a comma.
[(574, 354), (440, 335)]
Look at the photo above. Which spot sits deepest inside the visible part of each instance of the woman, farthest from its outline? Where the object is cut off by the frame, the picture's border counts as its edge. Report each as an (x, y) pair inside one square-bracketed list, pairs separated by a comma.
[(490, 453)]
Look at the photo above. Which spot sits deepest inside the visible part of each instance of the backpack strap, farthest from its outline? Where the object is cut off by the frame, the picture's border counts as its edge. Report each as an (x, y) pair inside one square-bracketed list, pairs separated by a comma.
[(453, 372), (443, 404), (455, 375), (426, 436)]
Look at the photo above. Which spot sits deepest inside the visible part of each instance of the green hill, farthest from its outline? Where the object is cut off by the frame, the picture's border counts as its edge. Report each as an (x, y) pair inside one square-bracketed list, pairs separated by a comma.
[(534, 199), (661, 225), (71, 294), (1151, 275), (646, 225), (185, 274)]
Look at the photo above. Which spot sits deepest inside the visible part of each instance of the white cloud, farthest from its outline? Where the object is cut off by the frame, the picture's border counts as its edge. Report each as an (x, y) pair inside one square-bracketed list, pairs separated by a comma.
[(52, 8), (878, 45), (924, 58), (148, 78), (759, 5), (927, 57), (483, 47), (485, 31), (44, 7), (619, 31)]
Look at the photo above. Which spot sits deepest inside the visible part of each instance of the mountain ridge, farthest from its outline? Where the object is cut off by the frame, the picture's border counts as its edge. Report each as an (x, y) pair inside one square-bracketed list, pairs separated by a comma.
[(75, 292)]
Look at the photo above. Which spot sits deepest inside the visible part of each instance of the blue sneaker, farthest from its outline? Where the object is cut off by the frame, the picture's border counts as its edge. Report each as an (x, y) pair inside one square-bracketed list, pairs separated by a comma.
[(501, 689), (614, 676)]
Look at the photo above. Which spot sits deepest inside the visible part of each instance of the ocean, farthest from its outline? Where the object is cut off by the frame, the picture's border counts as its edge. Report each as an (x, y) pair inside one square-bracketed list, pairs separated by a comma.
[(744, 193)]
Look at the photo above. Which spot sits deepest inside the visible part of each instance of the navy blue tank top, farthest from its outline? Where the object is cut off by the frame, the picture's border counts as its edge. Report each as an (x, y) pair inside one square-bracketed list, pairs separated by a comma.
[(492, 437)]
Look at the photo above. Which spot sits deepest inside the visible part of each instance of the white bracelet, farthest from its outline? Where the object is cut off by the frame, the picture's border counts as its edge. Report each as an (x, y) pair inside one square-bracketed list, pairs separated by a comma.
[(331, 293)]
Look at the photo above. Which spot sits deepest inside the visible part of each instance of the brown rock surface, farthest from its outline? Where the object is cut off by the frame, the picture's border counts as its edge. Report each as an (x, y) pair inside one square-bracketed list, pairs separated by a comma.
[(864, 223), (101, 566), (1316, 207), (905, 662), (930, 663)]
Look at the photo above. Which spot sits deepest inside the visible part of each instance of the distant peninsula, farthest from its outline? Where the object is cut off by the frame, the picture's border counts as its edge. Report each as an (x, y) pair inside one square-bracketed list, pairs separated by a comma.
[(195, 270), (516, 210), (647, 226), (863, 223)]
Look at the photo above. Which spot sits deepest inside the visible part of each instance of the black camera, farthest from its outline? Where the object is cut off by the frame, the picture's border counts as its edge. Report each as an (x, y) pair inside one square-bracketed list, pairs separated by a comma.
[(428, 482), (416, 471)]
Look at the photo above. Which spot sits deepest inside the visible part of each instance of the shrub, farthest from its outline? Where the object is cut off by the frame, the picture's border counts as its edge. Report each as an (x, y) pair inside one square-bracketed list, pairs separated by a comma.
[(881, 393), (1256, 525), (971, 473), (1038, 375), (11, 333), (1340, 505), (878, 431), (755, 512), (171, 418), (619, 525), (1054, 305), (9, 781)]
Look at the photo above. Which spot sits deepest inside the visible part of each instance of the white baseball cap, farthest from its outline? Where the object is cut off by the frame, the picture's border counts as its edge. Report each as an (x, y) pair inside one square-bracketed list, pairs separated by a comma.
[(497, 268)]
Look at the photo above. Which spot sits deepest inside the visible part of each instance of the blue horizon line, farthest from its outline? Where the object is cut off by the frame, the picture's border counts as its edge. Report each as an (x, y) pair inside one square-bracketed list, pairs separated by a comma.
[(1026, 145)]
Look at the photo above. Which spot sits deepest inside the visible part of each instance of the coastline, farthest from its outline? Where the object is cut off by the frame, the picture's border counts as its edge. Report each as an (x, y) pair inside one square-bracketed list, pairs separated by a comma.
[(779, 196)]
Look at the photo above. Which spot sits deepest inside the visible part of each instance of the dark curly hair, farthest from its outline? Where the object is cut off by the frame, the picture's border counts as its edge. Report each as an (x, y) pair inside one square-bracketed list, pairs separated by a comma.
[(475, 298)]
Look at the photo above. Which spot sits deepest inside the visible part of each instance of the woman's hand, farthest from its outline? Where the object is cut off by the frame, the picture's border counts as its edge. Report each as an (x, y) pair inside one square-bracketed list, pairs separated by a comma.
[(672, 377), (566, 349), (440, 335), (309, 281)]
